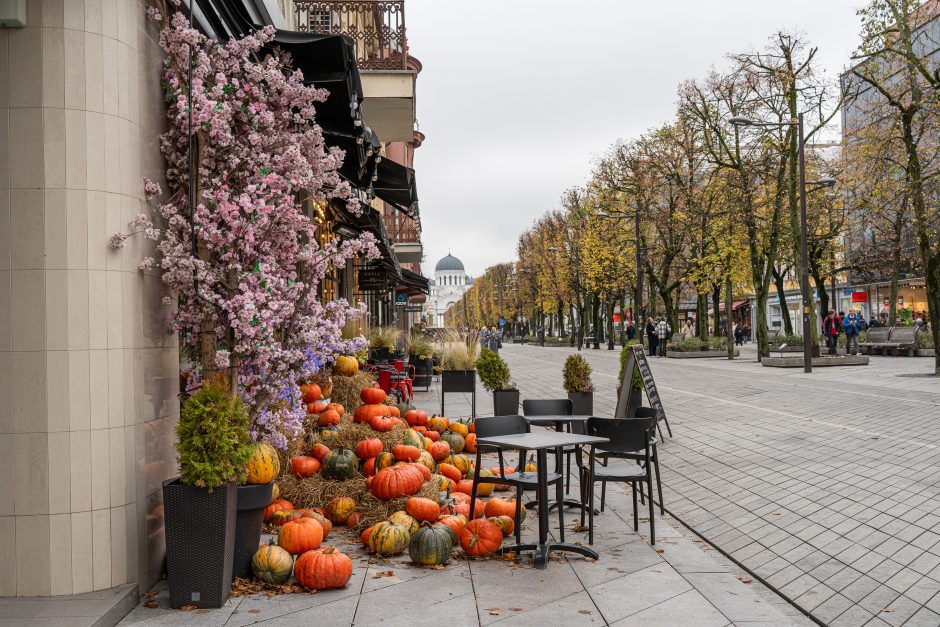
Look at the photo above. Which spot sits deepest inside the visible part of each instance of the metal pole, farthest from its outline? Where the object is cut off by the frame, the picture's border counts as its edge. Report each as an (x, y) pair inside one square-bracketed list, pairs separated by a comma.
[(804, 258), (638, 305)]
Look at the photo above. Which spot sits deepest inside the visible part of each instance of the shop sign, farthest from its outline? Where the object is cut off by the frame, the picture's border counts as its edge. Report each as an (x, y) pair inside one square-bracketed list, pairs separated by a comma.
[(413, 308), (372, 280), (401, 300)]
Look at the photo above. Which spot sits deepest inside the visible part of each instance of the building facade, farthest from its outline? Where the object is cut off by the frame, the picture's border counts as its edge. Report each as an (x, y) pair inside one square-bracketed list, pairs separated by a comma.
[(449, 284)]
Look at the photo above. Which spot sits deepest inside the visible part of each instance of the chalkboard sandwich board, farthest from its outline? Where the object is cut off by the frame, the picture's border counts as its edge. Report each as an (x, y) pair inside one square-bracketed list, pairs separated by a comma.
[(636, 361)]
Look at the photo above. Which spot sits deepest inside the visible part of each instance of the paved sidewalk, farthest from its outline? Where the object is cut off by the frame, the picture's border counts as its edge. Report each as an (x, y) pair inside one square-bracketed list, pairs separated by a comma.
[(679, 581), (823, 485)]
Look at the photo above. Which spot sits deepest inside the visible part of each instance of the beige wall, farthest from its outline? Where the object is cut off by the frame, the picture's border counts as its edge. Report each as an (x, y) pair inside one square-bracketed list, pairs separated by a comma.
[(87, 371)]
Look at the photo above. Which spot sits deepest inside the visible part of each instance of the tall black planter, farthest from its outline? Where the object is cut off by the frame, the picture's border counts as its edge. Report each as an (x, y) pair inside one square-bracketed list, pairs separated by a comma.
[(464, 381), (252, 499), (200, 543), (506, 403), (423, 371), (582, 403), (381, 355)]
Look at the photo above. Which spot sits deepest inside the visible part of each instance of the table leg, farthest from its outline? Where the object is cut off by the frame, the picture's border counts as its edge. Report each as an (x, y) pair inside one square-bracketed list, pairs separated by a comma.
[(542, 455)]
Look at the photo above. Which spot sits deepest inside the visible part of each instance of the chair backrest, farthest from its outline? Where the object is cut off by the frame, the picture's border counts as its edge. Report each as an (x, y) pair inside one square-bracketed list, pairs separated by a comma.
[(500, 425), (547, 407), (877, 335), (645, 412), (904, 335), (385, 380), (625, 434)]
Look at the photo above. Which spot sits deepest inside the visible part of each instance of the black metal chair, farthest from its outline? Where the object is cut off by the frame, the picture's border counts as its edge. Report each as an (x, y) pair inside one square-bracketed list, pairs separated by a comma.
[(510, 425), (556, 407), (638, 456), (626, 436)]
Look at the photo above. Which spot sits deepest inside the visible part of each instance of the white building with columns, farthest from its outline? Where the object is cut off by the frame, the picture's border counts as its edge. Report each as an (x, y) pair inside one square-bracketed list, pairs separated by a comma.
[(449, 283)]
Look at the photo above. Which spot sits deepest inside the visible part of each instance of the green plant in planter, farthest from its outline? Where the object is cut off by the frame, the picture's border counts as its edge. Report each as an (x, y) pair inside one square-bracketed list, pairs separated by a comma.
[(577, 374), (924, 338), (383, 337), (419, 347), (212, 438), (493, 371), (789, 340)]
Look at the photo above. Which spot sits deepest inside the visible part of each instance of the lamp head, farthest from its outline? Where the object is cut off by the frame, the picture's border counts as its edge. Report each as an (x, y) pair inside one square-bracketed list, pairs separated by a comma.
[(740, 122)]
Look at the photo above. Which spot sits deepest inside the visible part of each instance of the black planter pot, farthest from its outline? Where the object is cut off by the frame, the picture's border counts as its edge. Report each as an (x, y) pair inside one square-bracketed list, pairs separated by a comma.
[(582, 403), (464, 381), (506, 403), (423, 371), (381, 355), (252, 499), (200, 543)]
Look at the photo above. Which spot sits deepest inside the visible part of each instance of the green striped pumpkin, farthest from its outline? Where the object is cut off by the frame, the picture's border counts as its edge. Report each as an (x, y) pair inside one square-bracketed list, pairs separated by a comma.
[(405, 520), (384, 460), (432, 545), (455, 440), (341, 465), (272, 564), (387, 538)]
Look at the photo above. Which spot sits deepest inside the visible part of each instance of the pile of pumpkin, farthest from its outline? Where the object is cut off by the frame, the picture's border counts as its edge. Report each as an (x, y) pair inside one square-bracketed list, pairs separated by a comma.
[(432, 450)]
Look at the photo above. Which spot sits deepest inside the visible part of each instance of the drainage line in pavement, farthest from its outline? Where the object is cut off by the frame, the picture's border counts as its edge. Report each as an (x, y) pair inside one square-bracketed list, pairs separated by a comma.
[(745, 568)]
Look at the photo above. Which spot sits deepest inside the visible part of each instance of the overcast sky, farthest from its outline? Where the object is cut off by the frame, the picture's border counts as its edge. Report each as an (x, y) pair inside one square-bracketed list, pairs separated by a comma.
[(517, 97)]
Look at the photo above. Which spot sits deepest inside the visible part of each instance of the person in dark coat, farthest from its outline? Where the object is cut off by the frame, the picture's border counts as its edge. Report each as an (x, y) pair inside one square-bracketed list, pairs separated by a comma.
[(631, 331), (651, 336)]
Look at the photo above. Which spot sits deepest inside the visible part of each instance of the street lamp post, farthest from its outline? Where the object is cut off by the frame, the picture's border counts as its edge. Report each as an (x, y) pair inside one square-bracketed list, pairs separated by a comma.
[(808, 301)]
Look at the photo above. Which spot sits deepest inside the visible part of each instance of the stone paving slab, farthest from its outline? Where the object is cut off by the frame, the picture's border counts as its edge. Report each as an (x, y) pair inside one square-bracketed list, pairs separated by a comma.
[(822, 484)]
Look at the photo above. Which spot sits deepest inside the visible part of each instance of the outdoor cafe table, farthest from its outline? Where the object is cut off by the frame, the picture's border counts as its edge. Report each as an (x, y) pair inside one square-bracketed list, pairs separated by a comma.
[(541, 442), (559, 423)]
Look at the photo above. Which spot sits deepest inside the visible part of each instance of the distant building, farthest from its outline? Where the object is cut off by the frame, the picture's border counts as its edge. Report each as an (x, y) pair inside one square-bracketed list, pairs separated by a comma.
[(449, 284)]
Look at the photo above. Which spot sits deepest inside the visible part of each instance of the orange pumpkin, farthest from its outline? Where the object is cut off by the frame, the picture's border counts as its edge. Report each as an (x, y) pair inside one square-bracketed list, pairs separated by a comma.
[(439, 451), (354, 519), (434, 436), (319, 451), (299, 536), (424, 470), (394, 412), (421, 430), (323, 569), (396, 482), (481, 537), (328, 418), (368, 467), (372, 396), (316, 408), (339, 409), (459, 427), (364, 537), (416, 417), (311, 393), (382, 423), (470, 443), (277, 506), (500, 507), (405, 453), (324, 522), (304, 467), (422, 509), (450, 471), (369, 448), (466, 486), (456, 522)]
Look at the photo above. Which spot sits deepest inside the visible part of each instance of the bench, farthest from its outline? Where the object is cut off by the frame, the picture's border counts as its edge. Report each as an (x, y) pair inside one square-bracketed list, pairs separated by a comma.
[(519, 340), (901, 338), (677, 337), (875, 340)]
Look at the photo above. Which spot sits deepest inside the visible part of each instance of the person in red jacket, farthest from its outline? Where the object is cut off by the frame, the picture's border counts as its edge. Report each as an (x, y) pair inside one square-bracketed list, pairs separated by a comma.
[(831, 328)]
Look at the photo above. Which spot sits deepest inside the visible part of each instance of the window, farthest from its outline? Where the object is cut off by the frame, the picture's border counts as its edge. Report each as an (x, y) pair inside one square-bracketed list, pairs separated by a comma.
[(320, 21)]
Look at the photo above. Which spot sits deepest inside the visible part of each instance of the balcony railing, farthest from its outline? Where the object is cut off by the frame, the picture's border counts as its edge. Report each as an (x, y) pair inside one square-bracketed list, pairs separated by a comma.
[(401, 229), (376, 26)]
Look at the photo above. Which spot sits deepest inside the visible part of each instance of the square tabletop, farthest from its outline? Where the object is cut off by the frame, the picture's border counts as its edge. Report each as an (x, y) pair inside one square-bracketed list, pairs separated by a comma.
[(540, 439)]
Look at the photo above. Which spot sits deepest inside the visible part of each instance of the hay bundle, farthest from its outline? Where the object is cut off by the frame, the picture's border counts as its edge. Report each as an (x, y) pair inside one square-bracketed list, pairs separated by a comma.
[(351, 433), (317, 492), (346, 390)]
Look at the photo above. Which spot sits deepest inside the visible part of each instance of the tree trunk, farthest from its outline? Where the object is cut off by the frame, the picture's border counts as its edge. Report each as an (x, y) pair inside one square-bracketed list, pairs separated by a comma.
[(701, 316), (782, 299), (820, 282), (623, 319), (728, 312), (893, 296), (716, 304), (596, 320), (610, 323)]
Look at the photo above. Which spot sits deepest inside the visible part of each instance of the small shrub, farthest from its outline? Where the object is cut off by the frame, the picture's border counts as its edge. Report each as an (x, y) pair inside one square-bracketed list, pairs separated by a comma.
[(689, 345), (577, 374), (789, 340), (637, 382), (717, 344), (212, 438), (493, 371), (924, 338)]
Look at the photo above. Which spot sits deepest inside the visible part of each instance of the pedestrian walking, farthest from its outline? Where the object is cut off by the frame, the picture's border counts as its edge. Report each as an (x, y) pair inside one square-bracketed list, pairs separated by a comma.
[(738, 335), (663, 331), (852, 325), (631, 331), (652, 337), (831, 327), (689, 328)]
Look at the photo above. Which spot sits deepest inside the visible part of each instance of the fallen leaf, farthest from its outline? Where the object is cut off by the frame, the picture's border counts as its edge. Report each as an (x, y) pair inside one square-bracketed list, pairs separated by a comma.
[(254, 611), (515, 609), (660, 551), (201, 612), (494, 611), (151, 604), (744, 580), (887, 609), (384, 573), (584, 611), (188, 608)]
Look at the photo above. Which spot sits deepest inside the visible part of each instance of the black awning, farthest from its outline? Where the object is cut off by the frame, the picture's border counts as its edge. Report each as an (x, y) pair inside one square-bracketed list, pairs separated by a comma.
[(395, 184), (369, 220), (359, 163), (415, 281)]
